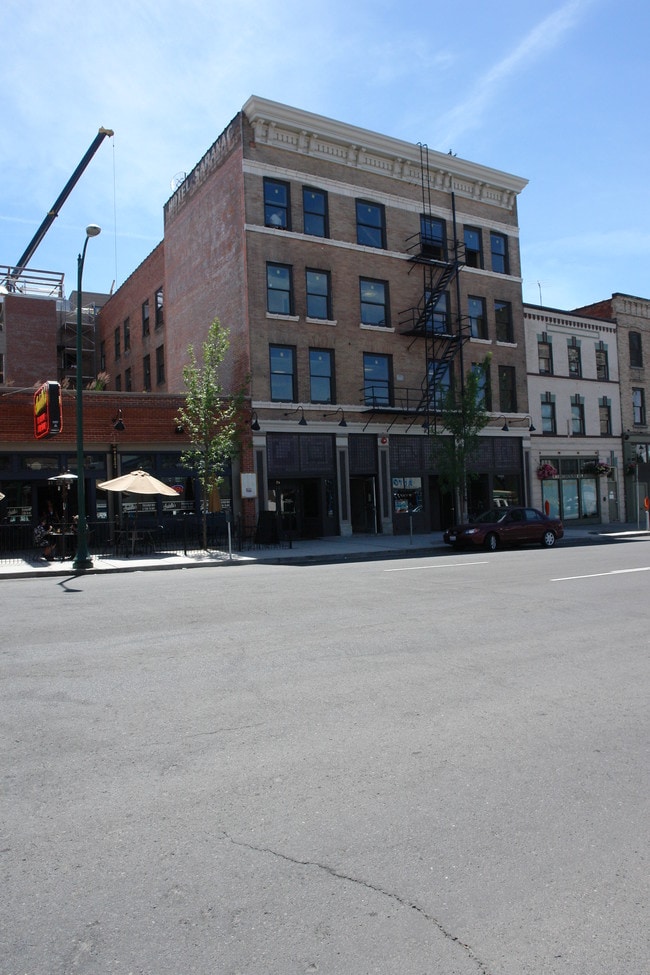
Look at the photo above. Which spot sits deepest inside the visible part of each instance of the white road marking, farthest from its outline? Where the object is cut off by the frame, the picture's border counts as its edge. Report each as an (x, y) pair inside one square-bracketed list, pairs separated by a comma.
[(446, 565), (597, 575)]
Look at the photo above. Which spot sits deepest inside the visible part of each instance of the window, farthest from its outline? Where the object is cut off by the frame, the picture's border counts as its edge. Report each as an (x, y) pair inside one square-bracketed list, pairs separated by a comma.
[(605, 416), (315, 212), (118, 383), (277, 211), (433, 237), (279, 289), (545, 354), (371, 224), (548, 414), (377, 379), (499, 252), (602, 362), (321, 376), (283, 373), (2, 367), (102, 356), (575, 360), (318, 295), (484, 398), (127, 380), (374, 302), (638, 406), (577, 416), (636, 350), (473, 247), (146, 373), (160, 318), (439, 381), (438, 317), (160, 365), (145, 317), (477, 318), (127, 334), (116, 338), (507, 389), (503, 321)]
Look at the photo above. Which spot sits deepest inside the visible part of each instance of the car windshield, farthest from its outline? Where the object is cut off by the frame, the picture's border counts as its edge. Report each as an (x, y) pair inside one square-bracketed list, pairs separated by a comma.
[(491, 516)]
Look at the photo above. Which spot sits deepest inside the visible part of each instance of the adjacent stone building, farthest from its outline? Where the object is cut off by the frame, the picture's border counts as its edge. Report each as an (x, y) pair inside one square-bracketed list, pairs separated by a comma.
[(573, 390)]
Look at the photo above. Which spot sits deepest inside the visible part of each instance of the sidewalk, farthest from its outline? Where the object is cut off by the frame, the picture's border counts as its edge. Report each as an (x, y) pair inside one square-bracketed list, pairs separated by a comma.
[(354, 548)]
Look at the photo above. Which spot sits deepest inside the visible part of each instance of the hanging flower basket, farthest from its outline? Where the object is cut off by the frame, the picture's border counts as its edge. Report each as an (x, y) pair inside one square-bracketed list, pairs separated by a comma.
[(545, 471), (597, 467), (630, 467)]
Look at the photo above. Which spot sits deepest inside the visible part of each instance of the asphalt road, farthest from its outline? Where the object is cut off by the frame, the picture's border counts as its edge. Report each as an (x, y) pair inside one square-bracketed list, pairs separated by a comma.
[(435, 766)]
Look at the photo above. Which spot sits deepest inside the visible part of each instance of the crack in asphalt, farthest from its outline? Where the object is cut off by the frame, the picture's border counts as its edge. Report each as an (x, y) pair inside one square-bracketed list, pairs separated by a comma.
[(469, 951)]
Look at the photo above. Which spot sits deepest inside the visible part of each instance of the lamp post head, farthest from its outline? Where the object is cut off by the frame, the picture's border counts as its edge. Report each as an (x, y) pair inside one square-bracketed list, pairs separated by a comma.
[(92, 230)]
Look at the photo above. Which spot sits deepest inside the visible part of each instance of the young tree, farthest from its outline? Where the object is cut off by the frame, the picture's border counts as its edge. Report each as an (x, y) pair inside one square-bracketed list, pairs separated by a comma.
[(462, 417), (208, 416)]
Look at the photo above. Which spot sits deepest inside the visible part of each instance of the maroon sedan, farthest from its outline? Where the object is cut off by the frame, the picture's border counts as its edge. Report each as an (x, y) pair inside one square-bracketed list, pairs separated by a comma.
[(506, 526)]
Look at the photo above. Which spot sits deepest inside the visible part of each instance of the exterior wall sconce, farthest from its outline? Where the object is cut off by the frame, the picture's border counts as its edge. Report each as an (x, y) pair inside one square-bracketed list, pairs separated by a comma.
[(179, 429), (299, 409), (342, 422), (255, 423), (118, 422), (531, 428), (505, 426)]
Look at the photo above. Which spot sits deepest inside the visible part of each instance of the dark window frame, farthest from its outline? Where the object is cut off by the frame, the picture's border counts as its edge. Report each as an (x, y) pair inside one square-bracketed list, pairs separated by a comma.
[(273, 292), (274, 208), (313, 219), (635, 342), (473, 255), (316, 378), (146, 373), (127, 334), (507, 389), (549, 418), (160, 365), (371, 233), (478, 324), (159, 306), (378, 391), (117, 351), (544, 343), (574, 354), (602, 362), (145, 312), (433, 245), (503, 321), (638, 406), (317, 297), (578, 416), (499, 260), (291, 350), (366, 305), (605, 417)]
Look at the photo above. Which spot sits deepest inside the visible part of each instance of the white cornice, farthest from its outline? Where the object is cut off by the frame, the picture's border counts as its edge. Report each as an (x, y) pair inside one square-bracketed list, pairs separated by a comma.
[(315, 135)]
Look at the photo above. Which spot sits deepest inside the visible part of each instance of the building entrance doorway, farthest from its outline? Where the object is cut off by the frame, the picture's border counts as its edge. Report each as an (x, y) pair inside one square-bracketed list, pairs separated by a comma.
[(363, 505)]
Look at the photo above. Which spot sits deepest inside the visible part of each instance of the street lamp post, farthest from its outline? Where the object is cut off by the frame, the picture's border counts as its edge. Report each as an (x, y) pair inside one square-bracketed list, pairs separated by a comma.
[(82, 559)]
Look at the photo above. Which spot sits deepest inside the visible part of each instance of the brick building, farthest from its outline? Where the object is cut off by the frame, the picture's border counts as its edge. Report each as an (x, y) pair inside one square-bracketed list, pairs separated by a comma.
[(359, 276)]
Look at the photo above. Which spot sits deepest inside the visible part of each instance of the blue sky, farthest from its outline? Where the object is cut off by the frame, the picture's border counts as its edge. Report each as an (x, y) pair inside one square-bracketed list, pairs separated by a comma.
[(554, 91)]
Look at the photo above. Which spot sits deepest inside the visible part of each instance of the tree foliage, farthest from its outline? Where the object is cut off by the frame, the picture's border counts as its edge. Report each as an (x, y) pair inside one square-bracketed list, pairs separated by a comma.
[(462, 418), (208, 417)]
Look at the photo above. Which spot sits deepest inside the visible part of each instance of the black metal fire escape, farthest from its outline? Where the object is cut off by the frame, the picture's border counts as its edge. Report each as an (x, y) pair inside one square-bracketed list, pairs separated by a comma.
[(432, 319)]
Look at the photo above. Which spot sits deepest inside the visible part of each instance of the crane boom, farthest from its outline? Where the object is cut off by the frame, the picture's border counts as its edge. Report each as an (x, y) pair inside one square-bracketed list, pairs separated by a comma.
[(53, 212)]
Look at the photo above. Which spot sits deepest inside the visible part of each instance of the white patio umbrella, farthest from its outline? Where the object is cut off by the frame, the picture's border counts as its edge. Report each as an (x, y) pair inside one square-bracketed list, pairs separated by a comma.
[(137, 482)]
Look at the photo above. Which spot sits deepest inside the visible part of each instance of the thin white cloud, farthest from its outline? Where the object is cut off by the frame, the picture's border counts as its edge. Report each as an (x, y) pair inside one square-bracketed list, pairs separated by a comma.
[(471, 112)]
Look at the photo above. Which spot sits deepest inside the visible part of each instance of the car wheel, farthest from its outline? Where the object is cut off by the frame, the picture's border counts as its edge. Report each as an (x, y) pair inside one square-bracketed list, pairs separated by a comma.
[(491, 542), (548, 539)]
